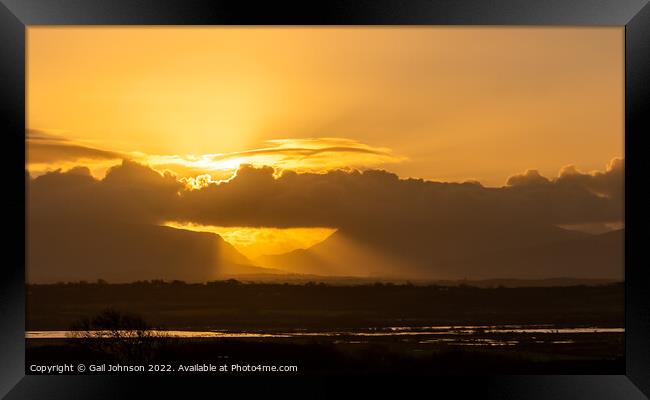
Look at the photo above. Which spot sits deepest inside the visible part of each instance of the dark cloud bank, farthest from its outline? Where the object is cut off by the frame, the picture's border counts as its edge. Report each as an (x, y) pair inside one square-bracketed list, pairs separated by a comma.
[(83, 228)]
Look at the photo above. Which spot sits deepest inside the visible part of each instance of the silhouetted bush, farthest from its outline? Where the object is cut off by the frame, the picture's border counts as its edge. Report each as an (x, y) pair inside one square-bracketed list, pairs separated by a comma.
[(125, 336)]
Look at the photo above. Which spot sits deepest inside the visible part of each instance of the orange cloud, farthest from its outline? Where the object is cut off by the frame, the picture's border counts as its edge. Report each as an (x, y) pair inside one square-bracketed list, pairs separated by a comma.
[(607, 183), (48, 152), (301, 155), (432, 228)]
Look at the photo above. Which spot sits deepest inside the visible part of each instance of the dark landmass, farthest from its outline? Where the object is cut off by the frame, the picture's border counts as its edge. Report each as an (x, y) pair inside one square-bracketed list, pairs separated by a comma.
[(334, 316), (302, 279), (121, 252), (481, 252), (124, 252), (241, 306), (592, 354)]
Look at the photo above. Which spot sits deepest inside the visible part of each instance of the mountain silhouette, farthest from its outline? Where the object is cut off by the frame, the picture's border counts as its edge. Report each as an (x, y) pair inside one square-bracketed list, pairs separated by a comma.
[(68, 250), (122, 252), (474, 252)]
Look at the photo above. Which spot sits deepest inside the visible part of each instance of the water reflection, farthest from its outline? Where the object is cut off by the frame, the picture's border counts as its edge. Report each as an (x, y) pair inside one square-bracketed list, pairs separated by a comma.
[(455, 335)]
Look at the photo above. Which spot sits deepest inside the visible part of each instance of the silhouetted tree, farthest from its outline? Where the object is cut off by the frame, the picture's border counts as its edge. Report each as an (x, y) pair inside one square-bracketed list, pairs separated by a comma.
[(125, 336)]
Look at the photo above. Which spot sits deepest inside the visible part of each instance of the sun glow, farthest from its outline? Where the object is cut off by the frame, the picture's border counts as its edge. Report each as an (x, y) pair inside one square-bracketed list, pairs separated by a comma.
[(199, 170), (300, 155), (256, 242), (458, 103)]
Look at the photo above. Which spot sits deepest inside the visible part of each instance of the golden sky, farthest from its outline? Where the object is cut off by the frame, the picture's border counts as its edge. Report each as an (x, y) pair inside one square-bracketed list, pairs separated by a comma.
[(256, 242), (532, 110), (441, 103)]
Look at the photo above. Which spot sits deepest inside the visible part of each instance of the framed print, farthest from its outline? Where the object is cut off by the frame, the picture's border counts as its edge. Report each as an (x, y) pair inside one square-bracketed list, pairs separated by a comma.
[(221, 193)]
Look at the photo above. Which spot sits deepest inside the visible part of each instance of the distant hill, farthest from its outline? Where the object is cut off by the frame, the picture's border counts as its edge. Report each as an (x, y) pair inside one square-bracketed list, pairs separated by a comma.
[(302, 279), (68, 250), (120, 252), (479, 252), (594, 256)]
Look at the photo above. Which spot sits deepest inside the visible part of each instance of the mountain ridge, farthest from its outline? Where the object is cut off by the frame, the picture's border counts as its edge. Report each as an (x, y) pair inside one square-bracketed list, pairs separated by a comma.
[(123, 252), (547, 258)]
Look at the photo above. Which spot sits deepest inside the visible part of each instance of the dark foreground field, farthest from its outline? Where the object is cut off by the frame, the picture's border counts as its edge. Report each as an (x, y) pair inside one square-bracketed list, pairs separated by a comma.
[(317, 356), (352, 329), (234, 305)]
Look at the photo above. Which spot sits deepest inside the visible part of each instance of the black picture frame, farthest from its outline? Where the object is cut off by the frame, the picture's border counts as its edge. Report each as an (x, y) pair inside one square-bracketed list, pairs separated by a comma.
[(16, 15)]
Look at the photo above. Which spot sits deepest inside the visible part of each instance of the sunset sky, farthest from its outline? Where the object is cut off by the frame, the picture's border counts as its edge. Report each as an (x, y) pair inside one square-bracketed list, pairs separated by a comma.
[(437, 103), (501, 106)]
